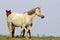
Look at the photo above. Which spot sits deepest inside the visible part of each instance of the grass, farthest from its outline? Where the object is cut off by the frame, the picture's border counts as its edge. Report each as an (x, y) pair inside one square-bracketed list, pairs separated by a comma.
[(2, 37)]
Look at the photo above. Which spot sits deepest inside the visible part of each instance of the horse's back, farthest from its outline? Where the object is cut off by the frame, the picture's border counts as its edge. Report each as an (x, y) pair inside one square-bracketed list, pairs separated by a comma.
[(13, 15), (16, 19)]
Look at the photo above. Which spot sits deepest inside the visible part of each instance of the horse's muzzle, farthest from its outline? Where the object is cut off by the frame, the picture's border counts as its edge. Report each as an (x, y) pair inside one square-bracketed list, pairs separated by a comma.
[(42, 16)]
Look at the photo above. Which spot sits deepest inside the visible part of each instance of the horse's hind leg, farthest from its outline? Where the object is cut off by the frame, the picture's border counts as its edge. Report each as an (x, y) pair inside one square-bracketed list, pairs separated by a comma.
[(9, 25), (13, 30)]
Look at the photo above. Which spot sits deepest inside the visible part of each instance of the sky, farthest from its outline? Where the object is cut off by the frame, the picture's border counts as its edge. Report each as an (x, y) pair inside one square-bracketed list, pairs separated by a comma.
[(50, 25)]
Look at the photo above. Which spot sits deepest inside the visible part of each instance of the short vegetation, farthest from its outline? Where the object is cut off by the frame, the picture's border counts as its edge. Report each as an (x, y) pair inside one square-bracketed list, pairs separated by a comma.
[(2, 37)]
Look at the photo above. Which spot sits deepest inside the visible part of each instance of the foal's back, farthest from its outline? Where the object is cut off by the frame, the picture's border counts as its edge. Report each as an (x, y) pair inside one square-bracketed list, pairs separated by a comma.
[(16, 18)]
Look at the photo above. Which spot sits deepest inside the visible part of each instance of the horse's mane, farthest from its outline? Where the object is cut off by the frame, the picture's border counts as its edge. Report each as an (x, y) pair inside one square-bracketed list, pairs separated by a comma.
[(30, 12)]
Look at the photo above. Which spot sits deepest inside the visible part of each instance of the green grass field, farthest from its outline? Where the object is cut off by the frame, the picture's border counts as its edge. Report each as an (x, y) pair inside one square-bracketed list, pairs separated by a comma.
[(33, 38)]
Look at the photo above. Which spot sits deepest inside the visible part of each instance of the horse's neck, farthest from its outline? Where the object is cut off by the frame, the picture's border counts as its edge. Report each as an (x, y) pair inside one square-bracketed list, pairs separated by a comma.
[(31, 16)]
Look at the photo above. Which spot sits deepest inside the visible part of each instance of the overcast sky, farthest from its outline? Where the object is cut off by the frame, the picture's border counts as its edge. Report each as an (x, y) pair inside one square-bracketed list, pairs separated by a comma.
[(50, 25)]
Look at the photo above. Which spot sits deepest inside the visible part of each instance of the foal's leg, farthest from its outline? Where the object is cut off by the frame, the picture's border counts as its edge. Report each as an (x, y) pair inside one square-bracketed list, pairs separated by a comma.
[(28, 31), (22, 31), (13, 30), (10, 28)]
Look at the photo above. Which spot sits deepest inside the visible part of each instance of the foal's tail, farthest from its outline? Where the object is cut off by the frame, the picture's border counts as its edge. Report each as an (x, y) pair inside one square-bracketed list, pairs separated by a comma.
[(8, 28)]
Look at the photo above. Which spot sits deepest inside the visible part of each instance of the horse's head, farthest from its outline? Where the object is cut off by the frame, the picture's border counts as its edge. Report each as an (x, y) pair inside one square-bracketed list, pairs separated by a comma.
[(8, 12), (38, 12)]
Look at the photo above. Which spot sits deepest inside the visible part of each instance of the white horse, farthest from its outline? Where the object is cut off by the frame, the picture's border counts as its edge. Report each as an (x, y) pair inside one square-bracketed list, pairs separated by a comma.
[(23, 20)]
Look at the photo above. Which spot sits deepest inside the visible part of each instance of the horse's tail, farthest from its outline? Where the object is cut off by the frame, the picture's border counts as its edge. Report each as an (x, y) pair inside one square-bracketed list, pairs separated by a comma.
[(8, 27)]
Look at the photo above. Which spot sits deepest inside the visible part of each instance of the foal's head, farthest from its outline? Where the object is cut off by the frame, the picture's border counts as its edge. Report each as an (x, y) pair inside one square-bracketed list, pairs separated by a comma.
[(36, 11), (8, 12)]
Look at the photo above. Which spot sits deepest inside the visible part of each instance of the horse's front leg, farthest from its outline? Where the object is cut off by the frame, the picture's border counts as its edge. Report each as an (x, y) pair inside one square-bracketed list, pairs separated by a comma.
[(28, 31), (22, 31)]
